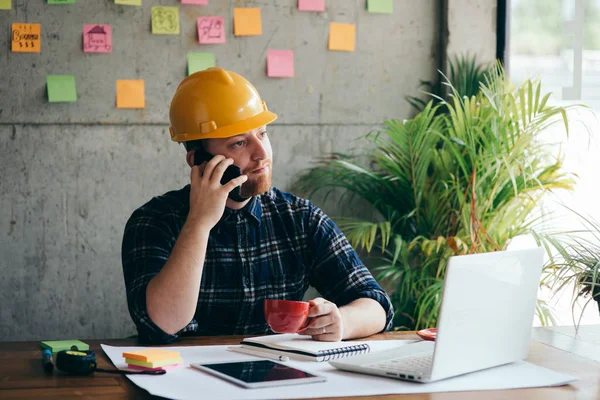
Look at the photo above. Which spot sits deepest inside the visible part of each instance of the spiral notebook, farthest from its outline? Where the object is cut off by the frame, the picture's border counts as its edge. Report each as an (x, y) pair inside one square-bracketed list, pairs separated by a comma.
[(304, 347)]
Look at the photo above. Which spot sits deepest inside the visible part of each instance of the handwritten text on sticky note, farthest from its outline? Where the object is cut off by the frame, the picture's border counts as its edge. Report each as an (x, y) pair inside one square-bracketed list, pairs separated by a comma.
[(165, 20), (26, 38), (280, 63), (211, 30), (130, 94), (97, 38), (342, 37), (247, 22)]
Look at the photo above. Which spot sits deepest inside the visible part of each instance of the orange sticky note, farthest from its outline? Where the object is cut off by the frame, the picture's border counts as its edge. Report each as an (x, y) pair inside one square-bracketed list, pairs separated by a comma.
[(247, 22), (26, 38), (342, 37), (130, 94), (152, 355)]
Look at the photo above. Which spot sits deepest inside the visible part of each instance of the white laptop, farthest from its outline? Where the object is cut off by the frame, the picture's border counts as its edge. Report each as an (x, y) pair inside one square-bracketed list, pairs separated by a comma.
[(486, 318)]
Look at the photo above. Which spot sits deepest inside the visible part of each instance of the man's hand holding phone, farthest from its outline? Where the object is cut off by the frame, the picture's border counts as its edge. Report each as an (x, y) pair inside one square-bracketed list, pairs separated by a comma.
[(207, 195)]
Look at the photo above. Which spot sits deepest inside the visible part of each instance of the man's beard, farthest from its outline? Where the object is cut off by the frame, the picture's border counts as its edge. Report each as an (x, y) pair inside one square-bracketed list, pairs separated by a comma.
[(257, 185)]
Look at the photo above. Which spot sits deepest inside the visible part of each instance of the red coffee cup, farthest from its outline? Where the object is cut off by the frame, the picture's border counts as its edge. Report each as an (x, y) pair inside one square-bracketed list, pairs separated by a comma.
[(287, 316)]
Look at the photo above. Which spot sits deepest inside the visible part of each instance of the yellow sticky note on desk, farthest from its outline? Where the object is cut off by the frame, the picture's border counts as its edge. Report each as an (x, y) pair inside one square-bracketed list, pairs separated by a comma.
[(152, 355), (165, 20), (26, 38), (247, 22), (5, 4), (130, 94), (342, 37)]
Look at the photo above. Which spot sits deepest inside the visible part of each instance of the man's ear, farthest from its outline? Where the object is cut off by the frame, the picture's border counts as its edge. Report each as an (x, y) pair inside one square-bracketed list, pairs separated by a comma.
[(189, 157)]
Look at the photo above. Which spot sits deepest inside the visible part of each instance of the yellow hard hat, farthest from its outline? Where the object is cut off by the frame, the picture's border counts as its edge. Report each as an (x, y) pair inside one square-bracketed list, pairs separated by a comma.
[(216, 103)]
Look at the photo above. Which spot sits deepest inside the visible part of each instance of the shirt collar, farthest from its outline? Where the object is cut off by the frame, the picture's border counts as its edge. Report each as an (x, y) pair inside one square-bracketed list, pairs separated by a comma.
[(252, 211)]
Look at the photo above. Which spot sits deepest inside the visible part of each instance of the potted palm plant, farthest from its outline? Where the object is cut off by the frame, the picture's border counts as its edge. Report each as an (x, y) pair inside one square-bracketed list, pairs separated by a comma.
[(461, 181), (574, 263)]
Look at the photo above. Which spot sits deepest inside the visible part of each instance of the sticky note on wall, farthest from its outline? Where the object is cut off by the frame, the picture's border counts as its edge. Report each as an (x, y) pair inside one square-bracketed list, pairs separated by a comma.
[(130, 94), (311, 5), (61, 88), (129, 2), (342, 37), (211, 30), (97, 38), (280, 63), (165, 20), (61, 1), (5, 4), (26, 38), (199, 2), (380, 6), (200, 61), (247, 22)]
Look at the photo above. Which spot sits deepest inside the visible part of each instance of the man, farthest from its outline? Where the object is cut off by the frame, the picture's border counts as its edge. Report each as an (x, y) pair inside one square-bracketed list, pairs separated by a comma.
[(197, 262)]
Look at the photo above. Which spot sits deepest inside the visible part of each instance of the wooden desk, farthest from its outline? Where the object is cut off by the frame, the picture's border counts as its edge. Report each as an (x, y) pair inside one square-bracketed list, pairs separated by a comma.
[(22, 376)]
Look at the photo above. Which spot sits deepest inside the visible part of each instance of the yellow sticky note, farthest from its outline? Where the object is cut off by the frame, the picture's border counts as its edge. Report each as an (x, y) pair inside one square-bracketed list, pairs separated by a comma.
[(247, 22), (165, 20), (129, 2), (152, 355), (342, 37), (5, 4), (130, 94)]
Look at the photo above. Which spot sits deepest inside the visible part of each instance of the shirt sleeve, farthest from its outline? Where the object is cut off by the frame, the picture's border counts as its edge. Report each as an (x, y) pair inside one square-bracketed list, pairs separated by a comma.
[(147, 244), (337, 272)]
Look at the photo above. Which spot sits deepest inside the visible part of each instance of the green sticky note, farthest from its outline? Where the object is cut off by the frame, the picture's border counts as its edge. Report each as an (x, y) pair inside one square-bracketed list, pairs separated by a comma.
[(5, 4), (165, 20), (129, 2), (61, 1), (61, 88), (200, 61), (58, 345), (380, 6)]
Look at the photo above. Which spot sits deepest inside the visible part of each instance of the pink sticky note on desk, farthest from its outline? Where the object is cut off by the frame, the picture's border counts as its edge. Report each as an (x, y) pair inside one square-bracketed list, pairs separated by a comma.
[(97, 38), (211, 30), (311, 5), (280, 63), (200, 2)]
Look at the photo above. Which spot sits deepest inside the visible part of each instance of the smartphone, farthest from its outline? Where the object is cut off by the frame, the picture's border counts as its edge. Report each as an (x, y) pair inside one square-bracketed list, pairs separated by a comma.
[(258, 373), (230, 173)]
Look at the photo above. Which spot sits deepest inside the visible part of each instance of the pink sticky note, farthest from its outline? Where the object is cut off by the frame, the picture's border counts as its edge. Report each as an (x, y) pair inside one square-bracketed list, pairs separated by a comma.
[(311, 5), (211, 30), (200, 2), (97, 38), (280, 63)]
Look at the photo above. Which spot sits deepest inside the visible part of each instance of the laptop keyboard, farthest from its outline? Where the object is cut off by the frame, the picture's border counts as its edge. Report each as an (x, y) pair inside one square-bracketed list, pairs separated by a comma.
[(417, 366)]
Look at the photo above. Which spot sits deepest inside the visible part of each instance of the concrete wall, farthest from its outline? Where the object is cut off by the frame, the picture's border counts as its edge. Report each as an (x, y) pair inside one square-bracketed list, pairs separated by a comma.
[(472, 28), (73, 173)]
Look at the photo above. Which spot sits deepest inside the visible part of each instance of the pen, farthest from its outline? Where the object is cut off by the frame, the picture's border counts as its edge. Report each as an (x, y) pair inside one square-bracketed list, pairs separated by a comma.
[(244, 350), (47, 361)]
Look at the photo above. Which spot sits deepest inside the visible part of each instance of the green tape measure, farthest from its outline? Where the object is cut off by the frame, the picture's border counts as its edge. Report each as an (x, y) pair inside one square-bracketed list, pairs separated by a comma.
[(83, 362)]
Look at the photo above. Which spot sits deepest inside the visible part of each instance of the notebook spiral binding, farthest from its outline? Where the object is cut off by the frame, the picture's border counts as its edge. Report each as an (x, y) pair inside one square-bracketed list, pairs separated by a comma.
[(344, 352)]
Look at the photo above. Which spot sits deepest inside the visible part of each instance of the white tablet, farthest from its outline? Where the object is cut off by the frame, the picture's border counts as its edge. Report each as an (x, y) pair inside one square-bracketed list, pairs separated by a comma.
[(259, 373)]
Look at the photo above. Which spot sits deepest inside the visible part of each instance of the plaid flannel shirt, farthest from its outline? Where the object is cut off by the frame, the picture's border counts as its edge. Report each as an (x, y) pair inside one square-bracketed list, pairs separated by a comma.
[(275, 247)]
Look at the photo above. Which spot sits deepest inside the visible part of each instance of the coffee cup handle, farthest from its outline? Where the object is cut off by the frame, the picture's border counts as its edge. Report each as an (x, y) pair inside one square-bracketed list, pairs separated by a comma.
[(307, 324)]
